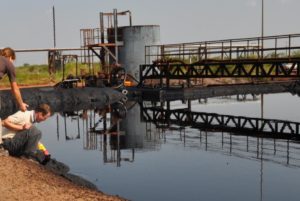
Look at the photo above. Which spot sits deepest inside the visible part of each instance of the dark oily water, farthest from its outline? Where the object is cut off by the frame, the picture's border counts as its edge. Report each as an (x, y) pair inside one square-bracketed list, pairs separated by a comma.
[(179, 160)]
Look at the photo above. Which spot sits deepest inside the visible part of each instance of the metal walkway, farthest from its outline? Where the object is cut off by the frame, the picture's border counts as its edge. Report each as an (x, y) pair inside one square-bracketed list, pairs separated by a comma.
[(272, 56)]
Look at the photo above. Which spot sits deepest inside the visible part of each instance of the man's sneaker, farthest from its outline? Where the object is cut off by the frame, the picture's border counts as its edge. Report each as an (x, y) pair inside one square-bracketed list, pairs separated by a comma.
[(3, 152)]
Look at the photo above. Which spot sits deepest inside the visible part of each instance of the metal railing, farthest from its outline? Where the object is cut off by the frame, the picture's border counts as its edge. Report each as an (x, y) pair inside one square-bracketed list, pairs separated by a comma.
[(279, 46)]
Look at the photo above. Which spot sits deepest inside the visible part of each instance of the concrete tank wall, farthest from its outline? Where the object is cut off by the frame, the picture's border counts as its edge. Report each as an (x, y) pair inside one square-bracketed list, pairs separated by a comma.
[(135, 38)]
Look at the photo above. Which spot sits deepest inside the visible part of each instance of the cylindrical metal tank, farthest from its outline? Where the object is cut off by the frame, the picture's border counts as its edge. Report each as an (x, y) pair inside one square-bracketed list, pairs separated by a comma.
[(135, 38)]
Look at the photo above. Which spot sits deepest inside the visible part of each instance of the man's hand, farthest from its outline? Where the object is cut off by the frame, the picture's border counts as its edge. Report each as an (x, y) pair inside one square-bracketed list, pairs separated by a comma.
[(26, 126), (23, 107)]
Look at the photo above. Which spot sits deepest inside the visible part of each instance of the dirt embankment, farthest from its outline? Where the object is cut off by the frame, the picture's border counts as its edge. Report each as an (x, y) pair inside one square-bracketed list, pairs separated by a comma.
[(26, 180)]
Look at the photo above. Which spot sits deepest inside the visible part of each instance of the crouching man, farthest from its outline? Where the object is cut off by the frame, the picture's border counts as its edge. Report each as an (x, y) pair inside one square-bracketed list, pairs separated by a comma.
[(20, 137)]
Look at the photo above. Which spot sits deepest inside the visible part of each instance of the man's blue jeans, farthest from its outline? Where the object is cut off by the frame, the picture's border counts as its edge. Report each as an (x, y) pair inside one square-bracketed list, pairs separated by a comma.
[(24, 142)]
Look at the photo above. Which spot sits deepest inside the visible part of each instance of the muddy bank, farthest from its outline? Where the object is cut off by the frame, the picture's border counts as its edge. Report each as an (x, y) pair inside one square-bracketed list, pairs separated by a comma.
[(62, 169), (25, 180)]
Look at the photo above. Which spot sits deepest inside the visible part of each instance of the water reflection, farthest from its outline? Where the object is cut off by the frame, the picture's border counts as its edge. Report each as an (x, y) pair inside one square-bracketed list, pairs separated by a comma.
[(171, 145), (164, 115), (74, 117), (101, 129), (145, 126)]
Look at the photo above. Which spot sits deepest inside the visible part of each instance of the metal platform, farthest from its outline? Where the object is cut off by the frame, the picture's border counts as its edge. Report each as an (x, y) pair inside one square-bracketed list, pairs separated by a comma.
[(267, 57)]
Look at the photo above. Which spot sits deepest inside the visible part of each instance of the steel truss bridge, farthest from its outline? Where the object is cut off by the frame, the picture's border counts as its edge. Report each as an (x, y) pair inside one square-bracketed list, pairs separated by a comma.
[(211, 121), (271, 57)]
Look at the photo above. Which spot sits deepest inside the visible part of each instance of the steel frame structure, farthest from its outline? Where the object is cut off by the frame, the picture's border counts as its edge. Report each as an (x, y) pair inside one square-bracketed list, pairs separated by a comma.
[(266, 68), (225, 58)]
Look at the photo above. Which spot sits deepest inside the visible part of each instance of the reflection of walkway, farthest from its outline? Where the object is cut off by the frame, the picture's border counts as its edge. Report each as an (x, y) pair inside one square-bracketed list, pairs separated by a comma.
[(279, 151), (226, 134), (212, 121)]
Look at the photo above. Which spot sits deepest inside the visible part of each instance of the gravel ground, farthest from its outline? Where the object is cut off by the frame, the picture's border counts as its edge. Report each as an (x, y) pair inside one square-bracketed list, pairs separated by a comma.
[(24, 180)]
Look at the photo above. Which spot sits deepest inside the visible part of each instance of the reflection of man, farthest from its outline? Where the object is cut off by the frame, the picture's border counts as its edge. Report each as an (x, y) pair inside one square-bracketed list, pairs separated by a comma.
[(19, 135)]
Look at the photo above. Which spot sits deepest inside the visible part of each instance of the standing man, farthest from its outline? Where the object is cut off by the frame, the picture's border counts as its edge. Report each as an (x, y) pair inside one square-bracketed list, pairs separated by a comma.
[(20, 136), (7, 56)]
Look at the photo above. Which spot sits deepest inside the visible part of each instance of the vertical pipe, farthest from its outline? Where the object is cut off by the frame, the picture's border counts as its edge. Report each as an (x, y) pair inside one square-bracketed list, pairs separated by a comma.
[(205, 50), (146, 48), (162, 52), (65, 123), (141, 75), (63, 75), (262, 51), (206, 146), (57, 128), (130, 19), (189, 106), (261, 171), (247, 143), (76, 58), (54, 31), (262, 28), (222, 52), (200, 137), (78, 128), (275, 47), (118, 145), (230, 50), (288, 152), (167, 73), (274, 146), (289, 46), (262, 18), (102, 51), (247, 49), (116, 34), (259, 48)]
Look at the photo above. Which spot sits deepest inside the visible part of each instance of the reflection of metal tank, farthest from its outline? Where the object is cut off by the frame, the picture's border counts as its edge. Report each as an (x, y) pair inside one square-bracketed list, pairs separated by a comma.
[(135, 130), (135, 38)]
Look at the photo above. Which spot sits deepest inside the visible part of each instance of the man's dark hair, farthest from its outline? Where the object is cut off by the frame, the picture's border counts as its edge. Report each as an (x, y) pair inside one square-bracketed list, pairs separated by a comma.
[(43, 108), (8, 52)]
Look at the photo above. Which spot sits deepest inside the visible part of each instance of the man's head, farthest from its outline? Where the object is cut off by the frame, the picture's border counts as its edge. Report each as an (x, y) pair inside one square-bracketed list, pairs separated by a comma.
[(42, 112), (8, 53)]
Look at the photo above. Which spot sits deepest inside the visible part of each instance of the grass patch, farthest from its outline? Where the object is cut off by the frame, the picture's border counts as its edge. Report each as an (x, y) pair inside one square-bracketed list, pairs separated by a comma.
[(38, 74)]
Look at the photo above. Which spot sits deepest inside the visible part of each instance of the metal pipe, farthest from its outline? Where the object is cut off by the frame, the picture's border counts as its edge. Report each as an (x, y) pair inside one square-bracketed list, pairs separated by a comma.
[(54, 32), (102, 51), (48, 49), (130, 18), (262, 29), (116, 34)]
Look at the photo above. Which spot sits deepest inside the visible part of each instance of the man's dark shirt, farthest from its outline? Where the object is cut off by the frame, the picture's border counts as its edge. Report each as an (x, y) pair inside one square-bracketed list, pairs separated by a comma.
[(6, 67)]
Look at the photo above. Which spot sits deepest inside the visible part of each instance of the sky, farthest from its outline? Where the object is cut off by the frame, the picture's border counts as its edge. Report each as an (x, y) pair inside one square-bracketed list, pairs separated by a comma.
[(28, 24)]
